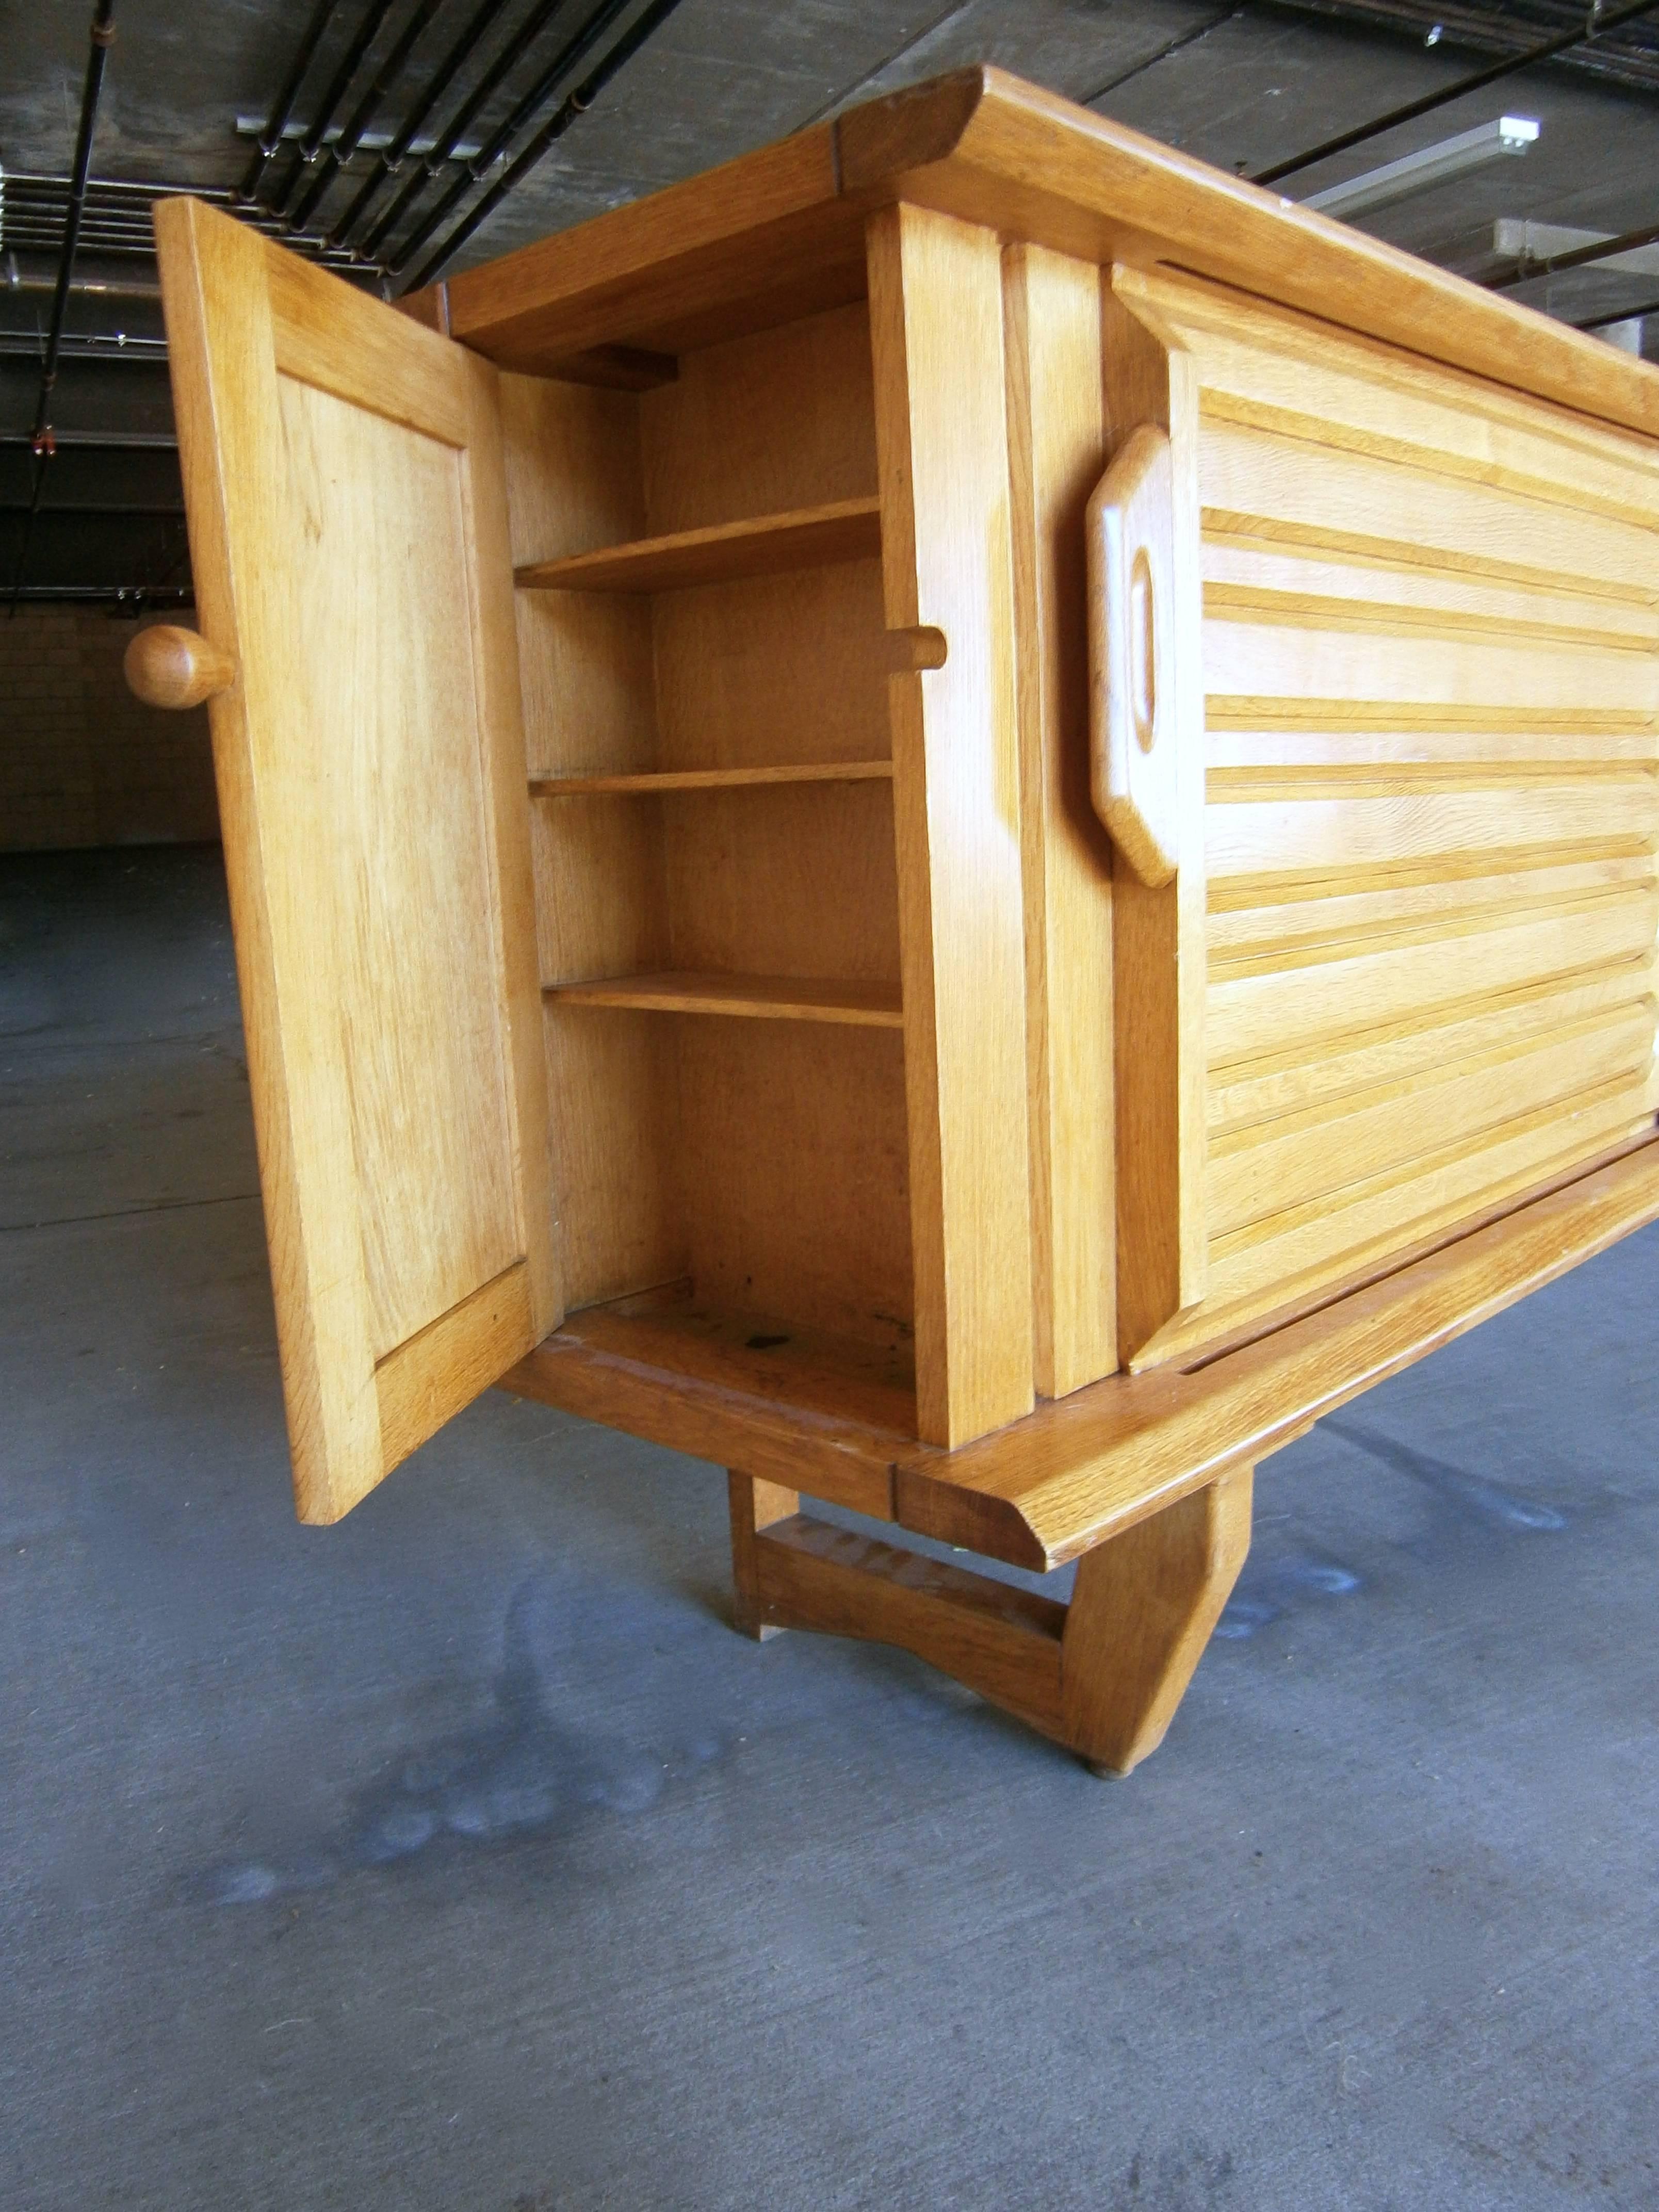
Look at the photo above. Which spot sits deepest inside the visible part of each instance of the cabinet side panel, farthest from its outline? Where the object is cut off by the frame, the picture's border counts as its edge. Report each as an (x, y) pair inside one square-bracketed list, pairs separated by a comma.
[(1057, 450), (936, 334)]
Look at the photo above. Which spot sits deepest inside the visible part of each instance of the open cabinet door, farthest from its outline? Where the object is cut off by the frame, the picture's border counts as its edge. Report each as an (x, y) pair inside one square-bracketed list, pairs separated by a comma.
[(347, 529)]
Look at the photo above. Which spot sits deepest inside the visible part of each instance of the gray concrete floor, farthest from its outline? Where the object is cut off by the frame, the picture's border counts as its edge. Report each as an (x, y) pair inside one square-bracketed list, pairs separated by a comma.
[(462, 1857)]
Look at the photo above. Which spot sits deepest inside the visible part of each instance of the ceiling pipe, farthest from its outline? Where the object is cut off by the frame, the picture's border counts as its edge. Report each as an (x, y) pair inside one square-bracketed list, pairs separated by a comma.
[(455, 131), (271, 138), (17, 279), (368, 29), (41, 443), (95, 441), (392, 157), (338, 154), (1594, 25), (148, 510), (1579, 257), (577, 104), (576, 47), (134, 598), (84, 345)]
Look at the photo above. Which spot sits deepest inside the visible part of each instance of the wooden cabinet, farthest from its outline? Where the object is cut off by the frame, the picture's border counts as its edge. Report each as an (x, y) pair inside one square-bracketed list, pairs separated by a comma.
[(963, 816)]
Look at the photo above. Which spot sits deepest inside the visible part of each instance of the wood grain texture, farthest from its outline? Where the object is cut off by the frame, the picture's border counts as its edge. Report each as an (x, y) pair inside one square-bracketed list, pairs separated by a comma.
[(167, 666), (762, 545), (753, 1505), (1089, 1465), (1001, 1642), (1056, 442), (827, 1416), (766, 238), (936, 323), (707, 778), (782, 419), (750, 872), (988, 149), (1144, 1609), (1432, 792), (797, 1407), (1158, 931), (760, 998), (1101, 1675), (387, 972)]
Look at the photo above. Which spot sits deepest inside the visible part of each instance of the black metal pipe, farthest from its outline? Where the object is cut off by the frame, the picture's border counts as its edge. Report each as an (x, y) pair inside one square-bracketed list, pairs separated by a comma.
[(392, 157), (337, 156), (271, 138), (102, 38), (18, 279), (1577, 257), (113, 441), (136, 596), (92, 345), (147, 510), (368, 29), (581, 42), (451, 137), (577, 104), (1592, 27)]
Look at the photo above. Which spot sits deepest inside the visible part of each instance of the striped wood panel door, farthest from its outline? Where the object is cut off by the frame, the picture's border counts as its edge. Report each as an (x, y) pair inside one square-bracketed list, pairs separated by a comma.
[(1432, 710)]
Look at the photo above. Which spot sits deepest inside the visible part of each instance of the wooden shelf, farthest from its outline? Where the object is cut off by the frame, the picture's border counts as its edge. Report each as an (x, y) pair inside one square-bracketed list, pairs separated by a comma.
[(707, 778), (805, 538), (756, 998)]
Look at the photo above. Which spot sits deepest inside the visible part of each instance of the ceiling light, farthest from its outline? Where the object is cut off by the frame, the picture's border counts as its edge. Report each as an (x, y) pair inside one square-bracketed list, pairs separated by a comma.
[(1415, 173)]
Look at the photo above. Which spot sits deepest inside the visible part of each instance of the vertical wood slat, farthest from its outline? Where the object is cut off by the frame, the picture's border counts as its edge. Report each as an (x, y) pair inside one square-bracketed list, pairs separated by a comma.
[(936, 336), (1056, 437), (1159, 935)]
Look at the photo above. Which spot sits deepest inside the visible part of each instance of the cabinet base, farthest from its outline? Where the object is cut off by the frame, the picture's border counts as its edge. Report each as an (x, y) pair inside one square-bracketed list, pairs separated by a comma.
[(1101, 1675)]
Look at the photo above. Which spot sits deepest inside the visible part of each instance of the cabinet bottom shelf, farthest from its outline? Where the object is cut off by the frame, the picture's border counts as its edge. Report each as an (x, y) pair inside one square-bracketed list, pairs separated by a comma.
[(754, 998), (826, 1413)]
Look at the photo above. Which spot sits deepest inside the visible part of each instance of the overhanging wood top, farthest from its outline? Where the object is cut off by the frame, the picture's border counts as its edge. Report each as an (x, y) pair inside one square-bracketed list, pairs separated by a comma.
[(1082, 1469), (780, 233)]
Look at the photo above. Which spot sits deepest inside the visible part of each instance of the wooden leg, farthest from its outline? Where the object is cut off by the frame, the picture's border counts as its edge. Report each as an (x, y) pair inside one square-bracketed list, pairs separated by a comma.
[(1103, 1675), (1141, 1616), (755, 1505)]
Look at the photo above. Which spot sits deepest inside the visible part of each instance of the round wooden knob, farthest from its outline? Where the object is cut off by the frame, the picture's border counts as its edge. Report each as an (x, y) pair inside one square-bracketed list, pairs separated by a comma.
[(170, 667)]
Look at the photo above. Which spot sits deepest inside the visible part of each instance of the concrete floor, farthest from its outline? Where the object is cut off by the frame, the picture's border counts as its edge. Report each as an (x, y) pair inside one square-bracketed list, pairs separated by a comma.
[(462, 1857)]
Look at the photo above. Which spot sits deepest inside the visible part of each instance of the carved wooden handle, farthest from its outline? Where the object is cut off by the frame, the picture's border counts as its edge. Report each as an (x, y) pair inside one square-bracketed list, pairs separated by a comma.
[(1131, 609), (171, 667)]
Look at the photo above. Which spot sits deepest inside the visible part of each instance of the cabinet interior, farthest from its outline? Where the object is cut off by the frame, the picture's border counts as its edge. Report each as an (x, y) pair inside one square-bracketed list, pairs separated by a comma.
[(701, 643)]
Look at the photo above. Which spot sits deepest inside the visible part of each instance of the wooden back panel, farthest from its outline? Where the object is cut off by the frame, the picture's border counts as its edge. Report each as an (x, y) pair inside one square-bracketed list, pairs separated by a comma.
[(343, 478), (1430, 615)]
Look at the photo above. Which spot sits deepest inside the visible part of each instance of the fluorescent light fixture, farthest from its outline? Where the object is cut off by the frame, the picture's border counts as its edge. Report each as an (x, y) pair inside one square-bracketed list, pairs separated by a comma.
[(1415, 173)]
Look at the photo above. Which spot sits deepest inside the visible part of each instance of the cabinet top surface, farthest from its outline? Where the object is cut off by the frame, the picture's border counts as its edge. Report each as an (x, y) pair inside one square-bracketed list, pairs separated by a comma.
[(780, 233)]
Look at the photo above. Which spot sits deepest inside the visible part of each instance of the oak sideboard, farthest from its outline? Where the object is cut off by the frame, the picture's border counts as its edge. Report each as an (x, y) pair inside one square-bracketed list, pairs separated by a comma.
[(962, 817)]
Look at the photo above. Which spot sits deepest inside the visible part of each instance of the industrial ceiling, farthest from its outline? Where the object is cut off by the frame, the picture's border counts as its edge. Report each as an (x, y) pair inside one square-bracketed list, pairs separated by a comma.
[(393, 138)]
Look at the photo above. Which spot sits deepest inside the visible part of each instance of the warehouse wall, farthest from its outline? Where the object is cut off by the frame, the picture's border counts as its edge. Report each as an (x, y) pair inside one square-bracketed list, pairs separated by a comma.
[(81, 761)]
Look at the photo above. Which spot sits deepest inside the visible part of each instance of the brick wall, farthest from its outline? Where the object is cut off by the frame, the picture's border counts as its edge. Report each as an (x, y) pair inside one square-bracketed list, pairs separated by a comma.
[(81, 761)]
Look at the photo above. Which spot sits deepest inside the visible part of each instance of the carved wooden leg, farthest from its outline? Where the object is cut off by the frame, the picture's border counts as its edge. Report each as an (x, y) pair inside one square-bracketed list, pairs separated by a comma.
[(1143, 1611), (1103, 1675), (755, 1505)]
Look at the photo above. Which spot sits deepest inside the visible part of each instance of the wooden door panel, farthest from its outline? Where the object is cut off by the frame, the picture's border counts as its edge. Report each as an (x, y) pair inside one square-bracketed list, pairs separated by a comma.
[(343, 478), (1430, 798)]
